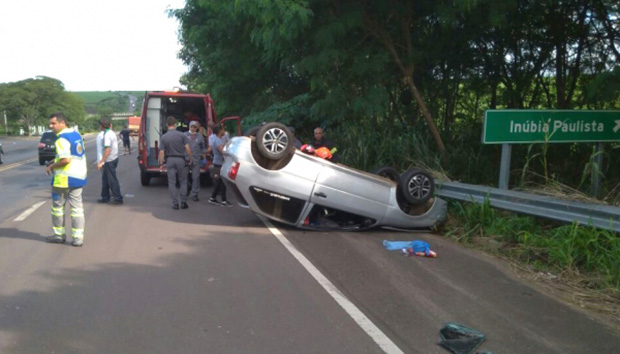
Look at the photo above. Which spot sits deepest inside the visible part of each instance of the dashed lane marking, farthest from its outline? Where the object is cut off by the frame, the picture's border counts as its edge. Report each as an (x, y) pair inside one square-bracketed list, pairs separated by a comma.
[(358, 316), (27, 213)]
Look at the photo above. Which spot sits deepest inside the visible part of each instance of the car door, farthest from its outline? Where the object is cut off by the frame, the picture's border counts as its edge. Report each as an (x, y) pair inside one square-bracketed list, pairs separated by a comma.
[(357, 192), (289, 188)]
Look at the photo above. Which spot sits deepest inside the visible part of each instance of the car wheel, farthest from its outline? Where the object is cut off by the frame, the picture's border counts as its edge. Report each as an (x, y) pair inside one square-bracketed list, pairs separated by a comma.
[(42, 161), (273, 141), (387, 172), (145, 179), (1, 157), (417, 186)]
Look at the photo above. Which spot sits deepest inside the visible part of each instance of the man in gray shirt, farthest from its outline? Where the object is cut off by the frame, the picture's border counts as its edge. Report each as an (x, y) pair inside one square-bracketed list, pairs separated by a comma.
[(174, 151), (216, 146), (199, 150)]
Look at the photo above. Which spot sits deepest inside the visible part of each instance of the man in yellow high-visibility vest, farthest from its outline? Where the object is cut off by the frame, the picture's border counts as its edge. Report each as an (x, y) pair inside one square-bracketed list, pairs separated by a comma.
[(69, 175)]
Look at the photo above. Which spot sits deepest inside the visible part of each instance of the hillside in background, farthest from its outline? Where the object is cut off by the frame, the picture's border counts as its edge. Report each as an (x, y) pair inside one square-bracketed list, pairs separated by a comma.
[(110, 101)]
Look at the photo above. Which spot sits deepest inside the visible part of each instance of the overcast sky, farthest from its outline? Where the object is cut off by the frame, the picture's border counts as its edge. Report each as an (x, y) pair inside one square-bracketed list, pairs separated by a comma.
[(91, 45)]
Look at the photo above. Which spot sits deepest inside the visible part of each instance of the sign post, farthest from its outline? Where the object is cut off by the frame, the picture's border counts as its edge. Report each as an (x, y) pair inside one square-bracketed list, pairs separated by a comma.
[(513, 126)]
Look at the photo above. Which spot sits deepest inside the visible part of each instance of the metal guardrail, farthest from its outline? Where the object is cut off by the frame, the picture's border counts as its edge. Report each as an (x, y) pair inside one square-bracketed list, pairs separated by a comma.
[(596, 215)]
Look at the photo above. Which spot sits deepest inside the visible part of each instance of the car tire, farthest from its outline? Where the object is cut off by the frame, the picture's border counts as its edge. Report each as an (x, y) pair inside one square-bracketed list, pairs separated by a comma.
[(1, 157), (417, 186), (387, 172), (273, 141), (42, 161), (145, 179)]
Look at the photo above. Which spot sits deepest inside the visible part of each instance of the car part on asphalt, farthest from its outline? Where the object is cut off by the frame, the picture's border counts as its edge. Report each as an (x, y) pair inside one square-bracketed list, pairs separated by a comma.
[(459, 339)]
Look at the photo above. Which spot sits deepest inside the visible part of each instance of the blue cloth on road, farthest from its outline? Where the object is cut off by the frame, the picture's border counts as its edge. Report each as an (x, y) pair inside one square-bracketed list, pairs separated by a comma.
[(417, 245)]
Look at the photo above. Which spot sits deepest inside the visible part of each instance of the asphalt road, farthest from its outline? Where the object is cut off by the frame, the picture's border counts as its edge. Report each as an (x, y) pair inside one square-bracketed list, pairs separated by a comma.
[(209, 279)]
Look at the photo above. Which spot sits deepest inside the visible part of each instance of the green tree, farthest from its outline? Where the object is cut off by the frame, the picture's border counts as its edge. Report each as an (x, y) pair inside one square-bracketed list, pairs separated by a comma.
[(29, 102), (380, 66)]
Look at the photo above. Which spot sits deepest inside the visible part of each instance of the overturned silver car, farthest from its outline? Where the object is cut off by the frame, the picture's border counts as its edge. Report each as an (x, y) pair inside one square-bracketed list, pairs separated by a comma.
[(284, 184)]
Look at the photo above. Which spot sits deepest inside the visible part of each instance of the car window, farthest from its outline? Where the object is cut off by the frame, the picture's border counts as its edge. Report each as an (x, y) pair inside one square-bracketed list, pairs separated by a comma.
[(48, 137)]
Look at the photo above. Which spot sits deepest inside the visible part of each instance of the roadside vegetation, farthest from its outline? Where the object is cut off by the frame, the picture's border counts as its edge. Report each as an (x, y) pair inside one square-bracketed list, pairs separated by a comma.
[(404, 83), (96, 102), (581, 264), (28, 103)]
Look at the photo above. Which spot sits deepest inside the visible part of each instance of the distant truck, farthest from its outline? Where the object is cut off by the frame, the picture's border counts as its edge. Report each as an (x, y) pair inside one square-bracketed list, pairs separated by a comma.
[(134, 125), (157, 106)]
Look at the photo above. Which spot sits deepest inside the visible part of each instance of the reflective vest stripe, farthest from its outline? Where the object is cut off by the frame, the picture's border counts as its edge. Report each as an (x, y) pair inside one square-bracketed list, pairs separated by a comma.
[(58, 211), (77, 213)]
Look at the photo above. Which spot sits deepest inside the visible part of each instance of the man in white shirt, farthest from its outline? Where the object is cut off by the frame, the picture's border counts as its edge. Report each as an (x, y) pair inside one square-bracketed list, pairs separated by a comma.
[(107, 160)]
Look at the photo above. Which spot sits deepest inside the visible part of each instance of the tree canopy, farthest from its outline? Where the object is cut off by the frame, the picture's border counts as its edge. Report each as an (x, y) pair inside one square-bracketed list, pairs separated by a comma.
[(331, 62), (402, 65), (29, 102)]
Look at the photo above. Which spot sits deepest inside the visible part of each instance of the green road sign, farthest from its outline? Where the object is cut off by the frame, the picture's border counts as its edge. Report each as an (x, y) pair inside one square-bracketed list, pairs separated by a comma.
[(513, 126)]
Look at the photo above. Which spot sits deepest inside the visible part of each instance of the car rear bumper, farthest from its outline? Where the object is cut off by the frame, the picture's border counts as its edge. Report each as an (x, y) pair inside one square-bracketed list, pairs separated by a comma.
[(47, 153)]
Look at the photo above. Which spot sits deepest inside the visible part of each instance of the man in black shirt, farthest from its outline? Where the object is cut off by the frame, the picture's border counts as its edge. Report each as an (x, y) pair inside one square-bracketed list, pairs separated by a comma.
[(124, 134), (320, 141)]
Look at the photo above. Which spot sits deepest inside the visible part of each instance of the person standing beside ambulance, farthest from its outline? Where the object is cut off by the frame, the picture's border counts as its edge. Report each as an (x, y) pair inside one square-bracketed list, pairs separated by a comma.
[(69, 173), (217, 140), (199, 152), (175, 153), (107, 160)]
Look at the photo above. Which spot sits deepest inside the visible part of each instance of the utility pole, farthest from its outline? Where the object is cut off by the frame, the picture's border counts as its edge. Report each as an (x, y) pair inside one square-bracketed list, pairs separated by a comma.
[(6, 131)]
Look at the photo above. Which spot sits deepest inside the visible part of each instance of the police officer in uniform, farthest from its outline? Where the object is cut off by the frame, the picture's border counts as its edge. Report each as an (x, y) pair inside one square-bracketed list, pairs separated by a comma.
[(69, 176), (174, 151), (199, 151)]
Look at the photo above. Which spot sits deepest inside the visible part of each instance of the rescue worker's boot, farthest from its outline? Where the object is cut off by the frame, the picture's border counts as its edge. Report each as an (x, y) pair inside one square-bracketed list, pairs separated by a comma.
[(56, 239)]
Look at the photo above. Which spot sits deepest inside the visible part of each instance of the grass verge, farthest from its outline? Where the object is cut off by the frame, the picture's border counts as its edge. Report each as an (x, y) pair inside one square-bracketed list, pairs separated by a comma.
[(582, 262)]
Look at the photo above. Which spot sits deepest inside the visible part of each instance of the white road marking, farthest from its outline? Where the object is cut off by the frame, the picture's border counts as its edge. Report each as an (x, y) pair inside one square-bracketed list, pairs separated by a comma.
[(27, 213), (16, 164), (373, 331)]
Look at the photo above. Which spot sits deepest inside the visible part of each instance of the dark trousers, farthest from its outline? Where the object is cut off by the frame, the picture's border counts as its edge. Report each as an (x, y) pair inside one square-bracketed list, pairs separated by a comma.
[(177, 168), (220, 187), (110, 182)]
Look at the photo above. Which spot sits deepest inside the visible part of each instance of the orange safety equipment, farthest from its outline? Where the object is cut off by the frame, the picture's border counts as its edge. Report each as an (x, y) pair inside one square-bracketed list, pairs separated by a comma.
[(307, 148), (323, 153)]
